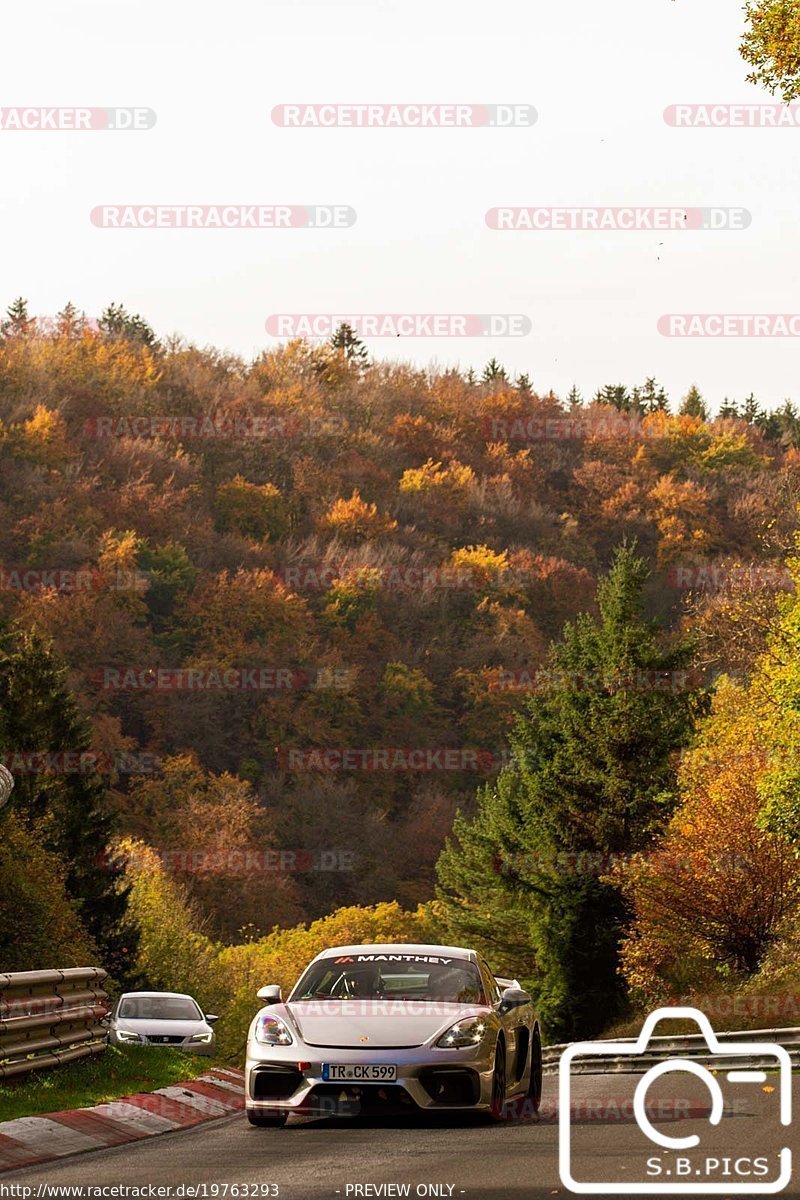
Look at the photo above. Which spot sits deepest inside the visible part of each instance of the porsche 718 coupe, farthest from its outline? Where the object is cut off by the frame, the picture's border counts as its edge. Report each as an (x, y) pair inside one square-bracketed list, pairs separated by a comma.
[(393, 1028)]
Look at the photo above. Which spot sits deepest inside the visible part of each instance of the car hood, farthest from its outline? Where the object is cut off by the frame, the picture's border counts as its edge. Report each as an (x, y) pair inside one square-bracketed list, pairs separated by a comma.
[(158, 1028), (373, 1024)]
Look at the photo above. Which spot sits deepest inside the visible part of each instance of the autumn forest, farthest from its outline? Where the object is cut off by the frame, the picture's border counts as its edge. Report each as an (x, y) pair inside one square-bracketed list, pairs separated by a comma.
[(321, 638)]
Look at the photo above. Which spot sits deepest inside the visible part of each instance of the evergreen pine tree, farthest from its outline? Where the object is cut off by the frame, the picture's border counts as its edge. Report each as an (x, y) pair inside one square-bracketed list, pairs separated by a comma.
[(787, 420), (494, 373), (70, 322), (693, 405), (118, 324), (614, 394), (65, 808), (574, 397), (653, 396), (346, 340), (751, 411), (590, 775), (18, 322)]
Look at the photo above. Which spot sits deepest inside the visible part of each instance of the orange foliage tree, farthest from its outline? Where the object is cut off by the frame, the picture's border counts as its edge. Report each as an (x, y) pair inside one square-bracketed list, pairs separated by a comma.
[(710, 900)]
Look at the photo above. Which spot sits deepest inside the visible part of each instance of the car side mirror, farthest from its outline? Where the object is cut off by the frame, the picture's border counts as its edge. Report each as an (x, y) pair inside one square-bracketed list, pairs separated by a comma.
[(105, 1021), (513, 997), (271, 994), (211, 1018)]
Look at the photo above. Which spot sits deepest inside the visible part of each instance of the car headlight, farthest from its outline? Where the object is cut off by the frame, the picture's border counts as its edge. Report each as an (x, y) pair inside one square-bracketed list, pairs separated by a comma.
[(205, 1038), (272, 1031), (124, 1035), (469, 1032)]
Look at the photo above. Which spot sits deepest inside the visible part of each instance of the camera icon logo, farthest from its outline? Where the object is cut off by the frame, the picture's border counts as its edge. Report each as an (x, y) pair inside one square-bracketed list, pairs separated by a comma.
[(676, 1170)]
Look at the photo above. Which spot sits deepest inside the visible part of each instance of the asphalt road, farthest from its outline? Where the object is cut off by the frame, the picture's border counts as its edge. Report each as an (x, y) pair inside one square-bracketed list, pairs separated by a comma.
[(464, 1158)]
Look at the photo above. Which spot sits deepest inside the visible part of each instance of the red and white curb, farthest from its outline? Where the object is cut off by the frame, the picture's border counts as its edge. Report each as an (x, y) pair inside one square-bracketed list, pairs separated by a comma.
[(27, 1141)]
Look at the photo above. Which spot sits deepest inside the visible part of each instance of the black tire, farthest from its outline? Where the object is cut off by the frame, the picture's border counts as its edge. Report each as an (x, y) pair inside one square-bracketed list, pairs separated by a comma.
[(499, 1084), (534, 1093), (266, 1122)]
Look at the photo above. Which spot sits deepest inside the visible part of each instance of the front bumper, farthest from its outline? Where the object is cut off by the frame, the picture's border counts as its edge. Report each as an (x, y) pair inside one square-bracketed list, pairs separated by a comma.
[(427, 1079), (207, 1049)]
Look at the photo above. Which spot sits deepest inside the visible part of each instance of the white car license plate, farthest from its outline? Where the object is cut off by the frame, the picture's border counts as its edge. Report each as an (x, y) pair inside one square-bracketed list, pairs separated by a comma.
[(359, 1072)]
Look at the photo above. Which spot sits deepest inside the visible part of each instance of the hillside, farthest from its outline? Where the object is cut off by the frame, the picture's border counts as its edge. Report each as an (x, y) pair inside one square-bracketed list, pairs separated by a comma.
[(301, 599)]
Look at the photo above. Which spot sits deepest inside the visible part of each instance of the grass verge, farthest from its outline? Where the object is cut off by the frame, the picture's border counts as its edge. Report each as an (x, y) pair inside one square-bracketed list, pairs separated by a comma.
[(109, 1076)]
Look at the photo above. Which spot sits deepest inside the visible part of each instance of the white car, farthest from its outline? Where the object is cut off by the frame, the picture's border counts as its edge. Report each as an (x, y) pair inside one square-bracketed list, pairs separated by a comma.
[(161, 1019), (393, 1028)]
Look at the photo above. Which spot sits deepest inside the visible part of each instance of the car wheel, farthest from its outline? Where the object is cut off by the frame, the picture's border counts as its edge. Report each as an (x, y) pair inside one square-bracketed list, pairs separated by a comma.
[(534, 1093), (499, 1084), (266, 1122)]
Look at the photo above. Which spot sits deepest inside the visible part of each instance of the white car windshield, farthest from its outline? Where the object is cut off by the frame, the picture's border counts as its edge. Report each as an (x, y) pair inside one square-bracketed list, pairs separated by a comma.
[(159, 1008), (456, 982)]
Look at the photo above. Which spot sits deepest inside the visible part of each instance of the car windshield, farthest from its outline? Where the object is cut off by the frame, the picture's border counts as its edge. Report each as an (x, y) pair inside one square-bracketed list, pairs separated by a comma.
[(363, 977), (159, 1008)]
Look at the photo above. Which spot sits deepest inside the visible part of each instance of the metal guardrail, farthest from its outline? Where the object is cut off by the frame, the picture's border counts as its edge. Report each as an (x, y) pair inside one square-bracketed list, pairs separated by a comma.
[(6, 784), (51, 1017), (692, 1045)]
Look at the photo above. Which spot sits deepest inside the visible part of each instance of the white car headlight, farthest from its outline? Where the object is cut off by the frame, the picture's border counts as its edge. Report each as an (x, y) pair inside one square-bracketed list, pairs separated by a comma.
[(272, 1031), (205, 1038), (469, 1032), (124, 1035)]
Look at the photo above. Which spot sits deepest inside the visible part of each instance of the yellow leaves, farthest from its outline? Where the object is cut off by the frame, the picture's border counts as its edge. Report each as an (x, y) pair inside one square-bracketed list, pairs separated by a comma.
[(480, 566), (43, 426), (109, 364), (42, 438), (730, 450), (356, 520), (119, 551), (680, 510), (432, 476)]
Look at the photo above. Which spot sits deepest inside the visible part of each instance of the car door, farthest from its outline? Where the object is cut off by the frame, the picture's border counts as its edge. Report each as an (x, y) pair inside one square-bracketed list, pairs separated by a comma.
[(508, 1020)]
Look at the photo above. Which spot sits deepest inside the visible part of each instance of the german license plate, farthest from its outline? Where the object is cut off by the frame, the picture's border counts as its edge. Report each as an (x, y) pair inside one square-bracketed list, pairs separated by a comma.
[(359, 1072)]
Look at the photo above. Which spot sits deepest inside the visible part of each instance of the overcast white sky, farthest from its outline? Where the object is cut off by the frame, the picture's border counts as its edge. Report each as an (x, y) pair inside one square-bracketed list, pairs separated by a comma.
[(600, 76)]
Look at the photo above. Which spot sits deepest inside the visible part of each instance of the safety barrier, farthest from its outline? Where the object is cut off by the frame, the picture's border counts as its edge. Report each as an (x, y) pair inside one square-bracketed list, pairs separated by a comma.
[(691, 1045), (6, 784), (51, 1017)]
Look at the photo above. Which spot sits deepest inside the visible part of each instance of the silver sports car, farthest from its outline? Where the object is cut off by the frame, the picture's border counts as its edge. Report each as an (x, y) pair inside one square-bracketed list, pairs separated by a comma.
[(393, 1029)]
